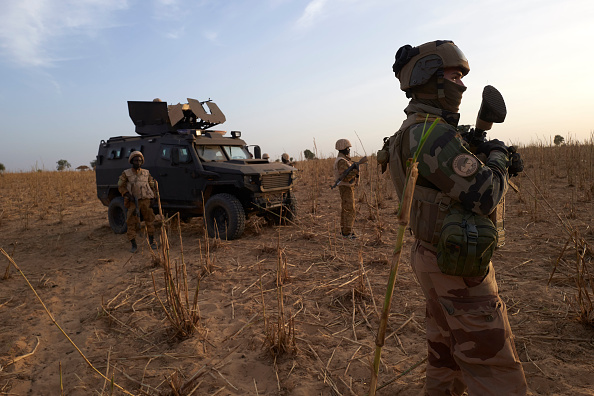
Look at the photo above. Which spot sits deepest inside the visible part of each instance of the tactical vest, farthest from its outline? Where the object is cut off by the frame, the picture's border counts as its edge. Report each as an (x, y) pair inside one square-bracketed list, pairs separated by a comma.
[(429, 206), (337, 173), (138, 183)]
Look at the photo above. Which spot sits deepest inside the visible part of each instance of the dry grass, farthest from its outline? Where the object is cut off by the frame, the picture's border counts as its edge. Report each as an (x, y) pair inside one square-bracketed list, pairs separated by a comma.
[(316, 293)]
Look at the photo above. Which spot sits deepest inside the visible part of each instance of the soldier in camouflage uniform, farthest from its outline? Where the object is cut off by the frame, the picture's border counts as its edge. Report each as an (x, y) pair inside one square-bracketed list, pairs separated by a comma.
[(469, 339), (138, 183), (346, 187)]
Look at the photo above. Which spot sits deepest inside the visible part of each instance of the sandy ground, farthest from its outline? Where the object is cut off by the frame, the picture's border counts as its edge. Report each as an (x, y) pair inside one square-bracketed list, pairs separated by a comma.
[(103, 298)]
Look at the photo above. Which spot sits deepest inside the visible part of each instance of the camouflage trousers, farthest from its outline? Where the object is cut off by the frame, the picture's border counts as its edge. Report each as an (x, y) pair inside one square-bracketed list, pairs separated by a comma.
[(469, 340), (133, 221), (347, 211)]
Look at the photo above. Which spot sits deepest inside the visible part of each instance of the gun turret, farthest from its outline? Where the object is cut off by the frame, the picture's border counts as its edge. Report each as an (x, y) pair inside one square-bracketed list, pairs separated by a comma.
[(152, 118)]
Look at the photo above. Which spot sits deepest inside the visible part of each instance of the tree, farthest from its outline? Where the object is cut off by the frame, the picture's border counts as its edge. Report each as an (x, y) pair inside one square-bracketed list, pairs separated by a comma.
[(558, 140), (62, 164), (93, 164), (309, 155), (2, 168)]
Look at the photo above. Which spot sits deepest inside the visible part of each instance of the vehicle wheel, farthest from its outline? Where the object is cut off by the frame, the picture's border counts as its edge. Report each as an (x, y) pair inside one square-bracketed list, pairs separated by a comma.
[(286, 214), (224, 217), (116, 213)]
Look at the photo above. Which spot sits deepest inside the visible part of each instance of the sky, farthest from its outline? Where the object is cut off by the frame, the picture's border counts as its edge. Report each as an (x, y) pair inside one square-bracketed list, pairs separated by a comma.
[(291, 75)]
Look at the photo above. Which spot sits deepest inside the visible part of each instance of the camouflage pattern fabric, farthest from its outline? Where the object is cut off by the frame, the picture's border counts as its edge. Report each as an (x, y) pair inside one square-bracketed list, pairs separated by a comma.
[(480, 190), (133, 222), (139, 183), (469, 340), (347, 211)]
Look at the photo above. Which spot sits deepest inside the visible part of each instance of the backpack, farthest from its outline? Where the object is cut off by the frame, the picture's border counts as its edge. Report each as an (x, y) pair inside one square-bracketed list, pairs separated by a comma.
[(466, 243)]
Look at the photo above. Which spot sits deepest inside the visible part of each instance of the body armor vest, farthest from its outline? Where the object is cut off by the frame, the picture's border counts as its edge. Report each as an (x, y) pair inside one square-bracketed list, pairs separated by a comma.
[(138, 183)]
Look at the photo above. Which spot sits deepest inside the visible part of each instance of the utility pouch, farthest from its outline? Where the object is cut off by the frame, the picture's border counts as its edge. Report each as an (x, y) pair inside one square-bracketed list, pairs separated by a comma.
[(466, 244), (383, 155)]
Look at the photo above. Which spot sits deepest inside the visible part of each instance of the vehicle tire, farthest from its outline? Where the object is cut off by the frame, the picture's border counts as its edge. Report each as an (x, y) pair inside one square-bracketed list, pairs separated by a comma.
[(224, 217), (116, 213)]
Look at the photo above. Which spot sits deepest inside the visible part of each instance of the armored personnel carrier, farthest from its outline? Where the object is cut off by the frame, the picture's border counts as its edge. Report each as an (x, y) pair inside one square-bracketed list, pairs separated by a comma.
[(200, 171)]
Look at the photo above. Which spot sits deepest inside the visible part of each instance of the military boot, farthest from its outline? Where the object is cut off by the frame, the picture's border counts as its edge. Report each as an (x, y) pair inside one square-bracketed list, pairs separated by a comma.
[(152, 242), (134, 247)]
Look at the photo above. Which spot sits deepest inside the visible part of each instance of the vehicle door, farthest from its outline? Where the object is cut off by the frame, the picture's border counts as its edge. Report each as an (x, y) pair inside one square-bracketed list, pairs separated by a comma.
[(176, 175)]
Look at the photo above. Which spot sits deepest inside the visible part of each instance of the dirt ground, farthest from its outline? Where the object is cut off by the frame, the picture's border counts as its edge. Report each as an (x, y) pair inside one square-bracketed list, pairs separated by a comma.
[(103, 298)]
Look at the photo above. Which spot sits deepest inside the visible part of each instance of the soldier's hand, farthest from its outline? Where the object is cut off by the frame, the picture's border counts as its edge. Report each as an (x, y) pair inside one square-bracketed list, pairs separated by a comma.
[(516, 163), (492, 145), (129, 197)]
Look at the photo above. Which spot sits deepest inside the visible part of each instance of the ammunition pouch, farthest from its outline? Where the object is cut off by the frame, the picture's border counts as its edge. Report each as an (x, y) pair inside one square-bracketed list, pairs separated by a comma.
[(466, 243), (383, 155)]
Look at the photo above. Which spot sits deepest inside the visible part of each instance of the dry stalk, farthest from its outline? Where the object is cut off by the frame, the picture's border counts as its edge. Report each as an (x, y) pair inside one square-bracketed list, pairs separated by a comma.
[(182, 314)]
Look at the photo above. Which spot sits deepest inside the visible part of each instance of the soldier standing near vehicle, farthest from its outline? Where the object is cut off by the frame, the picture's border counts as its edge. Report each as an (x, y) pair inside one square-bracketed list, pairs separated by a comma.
[(346, 187), (138, 188), (469, 339)]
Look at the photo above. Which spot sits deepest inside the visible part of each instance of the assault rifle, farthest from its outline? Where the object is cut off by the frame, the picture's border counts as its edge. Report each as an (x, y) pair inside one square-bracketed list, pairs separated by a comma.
[(137, 209), (348, 170)]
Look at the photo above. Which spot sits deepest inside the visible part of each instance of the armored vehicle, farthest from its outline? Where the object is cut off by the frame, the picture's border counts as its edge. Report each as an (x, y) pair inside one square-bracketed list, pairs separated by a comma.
[(200, 171)]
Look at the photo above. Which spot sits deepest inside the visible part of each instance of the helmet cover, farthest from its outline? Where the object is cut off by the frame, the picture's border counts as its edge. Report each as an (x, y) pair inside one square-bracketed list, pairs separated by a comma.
[(342, 144)]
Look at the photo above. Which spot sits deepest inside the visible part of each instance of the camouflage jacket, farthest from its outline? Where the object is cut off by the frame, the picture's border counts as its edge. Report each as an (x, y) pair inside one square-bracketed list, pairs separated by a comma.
[(139, 183), (446, 165)]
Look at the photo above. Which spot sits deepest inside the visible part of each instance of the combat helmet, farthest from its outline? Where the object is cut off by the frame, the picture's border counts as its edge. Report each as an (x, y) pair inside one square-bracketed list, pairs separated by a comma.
[(342, 144), (136, 154), (421, 70), (265, 156), (285, 157)]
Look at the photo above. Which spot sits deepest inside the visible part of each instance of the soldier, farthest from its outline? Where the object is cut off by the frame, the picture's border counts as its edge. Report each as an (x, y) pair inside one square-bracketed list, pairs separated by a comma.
[(286, 160), (346, 187), (137, 185), (469, 339), (265, 156)]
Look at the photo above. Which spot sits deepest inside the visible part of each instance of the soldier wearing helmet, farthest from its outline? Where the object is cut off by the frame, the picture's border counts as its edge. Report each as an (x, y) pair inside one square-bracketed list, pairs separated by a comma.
[(265, 156), (138, 186), (346, 187), (285, 159), (469, 339)]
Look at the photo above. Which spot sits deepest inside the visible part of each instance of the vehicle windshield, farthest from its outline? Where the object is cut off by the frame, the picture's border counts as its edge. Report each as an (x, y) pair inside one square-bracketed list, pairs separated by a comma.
[(237, 152), (211, 153)]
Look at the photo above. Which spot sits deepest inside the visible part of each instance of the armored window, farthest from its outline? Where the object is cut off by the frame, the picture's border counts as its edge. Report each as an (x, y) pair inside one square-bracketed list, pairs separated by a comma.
[(184, 155), (166, 152), (237, 152), (211, 153), (116, 154)]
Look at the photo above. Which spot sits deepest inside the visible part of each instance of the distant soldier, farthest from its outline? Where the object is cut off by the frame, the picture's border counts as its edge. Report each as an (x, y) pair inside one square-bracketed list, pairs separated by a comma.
[(265, 156), (346, 187), (286, 159), (138, 188)]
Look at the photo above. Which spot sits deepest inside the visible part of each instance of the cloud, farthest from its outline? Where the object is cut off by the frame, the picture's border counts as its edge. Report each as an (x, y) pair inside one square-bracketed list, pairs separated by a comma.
[(31, 30), (313, 12)]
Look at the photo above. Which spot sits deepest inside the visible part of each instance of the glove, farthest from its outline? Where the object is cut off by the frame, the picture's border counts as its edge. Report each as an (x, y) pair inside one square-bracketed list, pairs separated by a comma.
[(516, 164), (492, 145)]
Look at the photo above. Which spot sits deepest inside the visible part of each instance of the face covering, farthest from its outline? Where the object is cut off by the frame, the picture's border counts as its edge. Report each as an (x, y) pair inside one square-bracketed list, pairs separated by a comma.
[(453, 96), (136, 165)]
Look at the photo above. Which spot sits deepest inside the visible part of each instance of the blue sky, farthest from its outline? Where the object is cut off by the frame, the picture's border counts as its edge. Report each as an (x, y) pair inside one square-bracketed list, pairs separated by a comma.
[(288, 74)]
